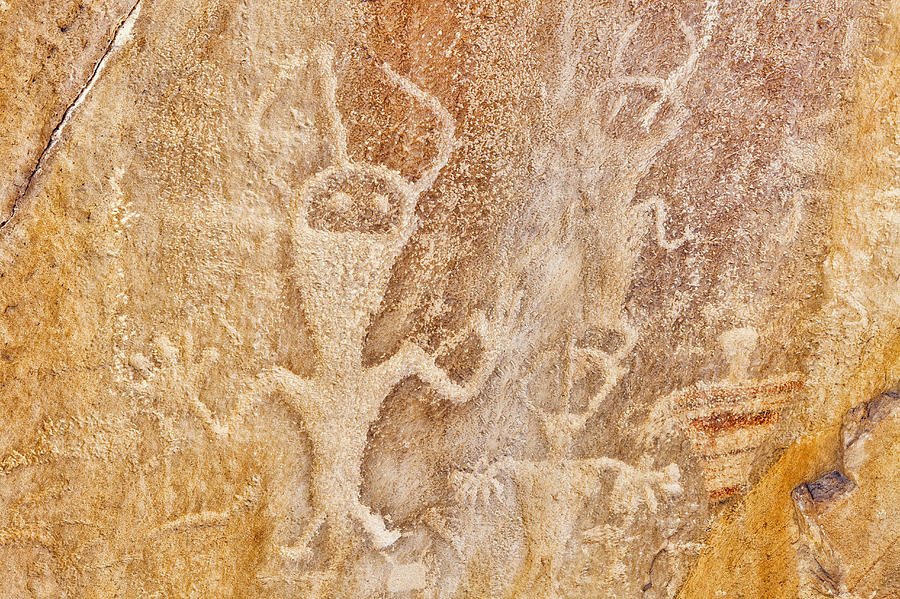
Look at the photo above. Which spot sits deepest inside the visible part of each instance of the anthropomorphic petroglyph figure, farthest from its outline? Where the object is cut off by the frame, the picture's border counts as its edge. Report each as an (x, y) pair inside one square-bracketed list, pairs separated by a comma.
[(628, 119), (552, 495), (349, 224), (728, 420), (553, 492)]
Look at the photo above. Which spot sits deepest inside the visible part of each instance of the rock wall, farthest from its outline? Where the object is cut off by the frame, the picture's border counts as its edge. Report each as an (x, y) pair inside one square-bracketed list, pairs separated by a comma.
[(466, 298)]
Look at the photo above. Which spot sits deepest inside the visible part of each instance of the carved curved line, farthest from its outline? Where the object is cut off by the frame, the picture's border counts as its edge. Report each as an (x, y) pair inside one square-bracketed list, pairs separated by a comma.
[(338, 133), (447, 142), (658, 206), (407, 217)]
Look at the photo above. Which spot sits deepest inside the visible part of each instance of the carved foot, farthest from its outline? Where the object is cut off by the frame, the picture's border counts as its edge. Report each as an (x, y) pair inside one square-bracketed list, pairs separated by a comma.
[(382, 538), (301, 550)]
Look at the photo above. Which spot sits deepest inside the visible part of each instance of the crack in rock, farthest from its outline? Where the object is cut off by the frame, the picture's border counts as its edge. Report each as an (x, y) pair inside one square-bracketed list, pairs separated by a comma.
[(121, 35)]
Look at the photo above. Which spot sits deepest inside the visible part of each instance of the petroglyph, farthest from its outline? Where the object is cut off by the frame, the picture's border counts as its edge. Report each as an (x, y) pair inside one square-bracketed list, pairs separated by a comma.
[(241, 503), (564, 486), (727, 423), (176, 376), (657, 205), (561, 484), (349, 224), (671, 88), (482, 299), (47, 534)]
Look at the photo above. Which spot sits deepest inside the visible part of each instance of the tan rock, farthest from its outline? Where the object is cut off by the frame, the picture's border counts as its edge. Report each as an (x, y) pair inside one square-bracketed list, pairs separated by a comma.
[(447, 299)]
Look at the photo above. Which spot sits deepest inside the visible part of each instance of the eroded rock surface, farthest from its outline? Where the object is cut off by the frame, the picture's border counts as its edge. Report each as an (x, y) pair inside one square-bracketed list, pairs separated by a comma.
[(850, 521), (448, 299)]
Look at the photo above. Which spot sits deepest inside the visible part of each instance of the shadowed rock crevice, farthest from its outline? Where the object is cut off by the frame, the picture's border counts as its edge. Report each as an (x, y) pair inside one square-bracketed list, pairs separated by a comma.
[(850, 521), (126, 22)]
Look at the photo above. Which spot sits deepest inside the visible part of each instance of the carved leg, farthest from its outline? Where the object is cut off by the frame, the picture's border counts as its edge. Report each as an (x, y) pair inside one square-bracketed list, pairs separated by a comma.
[(301, 549), (338, 478), (535, 578)]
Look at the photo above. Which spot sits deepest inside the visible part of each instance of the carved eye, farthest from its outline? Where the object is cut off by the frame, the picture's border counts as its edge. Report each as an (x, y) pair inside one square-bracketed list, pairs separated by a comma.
[(354, 199), (340, 201), (381, 202)]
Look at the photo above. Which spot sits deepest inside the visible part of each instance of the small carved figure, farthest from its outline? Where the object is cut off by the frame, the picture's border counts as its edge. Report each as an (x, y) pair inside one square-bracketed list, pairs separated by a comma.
[(553, 492)]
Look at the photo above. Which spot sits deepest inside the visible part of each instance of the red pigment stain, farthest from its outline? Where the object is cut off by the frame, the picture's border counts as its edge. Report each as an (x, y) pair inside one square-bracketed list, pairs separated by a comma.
[(726, 421), (723, 493)]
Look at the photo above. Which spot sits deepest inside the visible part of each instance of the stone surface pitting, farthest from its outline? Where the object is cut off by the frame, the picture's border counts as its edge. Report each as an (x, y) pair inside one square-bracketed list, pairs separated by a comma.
[(448, 299)]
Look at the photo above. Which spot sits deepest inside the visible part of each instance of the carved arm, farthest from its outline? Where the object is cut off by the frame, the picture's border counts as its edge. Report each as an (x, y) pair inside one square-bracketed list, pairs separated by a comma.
[(410, 360)]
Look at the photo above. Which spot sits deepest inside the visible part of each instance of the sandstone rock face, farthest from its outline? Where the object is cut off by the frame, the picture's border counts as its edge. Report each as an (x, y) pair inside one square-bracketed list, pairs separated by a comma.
[(850, 523), (449, 299)]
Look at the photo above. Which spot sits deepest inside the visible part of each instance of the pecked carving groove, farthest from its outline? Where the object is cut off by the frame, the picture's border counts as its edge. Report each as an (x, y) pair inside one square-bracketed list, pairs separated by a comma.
[(449, 299)]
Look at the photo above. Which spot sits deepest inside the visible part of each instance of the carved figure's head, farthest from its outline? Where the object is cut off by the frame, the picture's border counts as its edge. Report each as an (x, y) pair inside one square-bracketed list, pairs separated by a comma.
[(356, 198), (364, 199)]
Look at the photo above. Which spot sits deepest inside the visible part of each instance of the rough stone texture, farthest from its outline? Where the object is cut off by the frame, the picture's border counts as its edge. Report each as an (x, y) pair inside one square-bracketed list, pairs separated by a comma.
[(464, 298), (49, 51), (850, 527)]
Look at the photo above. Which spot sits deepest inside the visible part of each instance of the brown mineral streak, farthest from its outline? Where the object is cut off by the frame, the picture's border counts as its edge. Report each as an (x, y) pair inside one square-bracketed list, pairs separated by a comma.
[(466, 298)]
